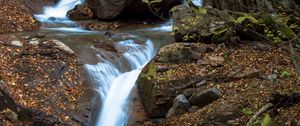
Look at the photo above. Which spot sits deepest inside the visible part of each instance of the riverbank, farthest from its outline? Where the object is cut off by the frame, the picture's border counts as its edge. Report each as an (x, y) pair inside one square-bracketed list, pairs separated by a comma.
[(248, 76), (43, 81), (230, 65)]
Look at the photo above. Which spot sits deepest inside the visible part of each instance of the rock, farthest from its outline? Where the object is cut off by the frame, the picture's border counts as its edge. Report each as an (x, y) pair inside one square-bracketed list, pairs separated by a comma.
[(216, 59), (212, 60), (193, 109), (181, 102), (205, 97), (188, 92), (62, 46), (248, 73), (80, 12), (176, 53), (109, 9), (16, 43), (180, 106), (157, 97), (202, 49), (272, 77), (261, 46), (34, 42), (201, 83)]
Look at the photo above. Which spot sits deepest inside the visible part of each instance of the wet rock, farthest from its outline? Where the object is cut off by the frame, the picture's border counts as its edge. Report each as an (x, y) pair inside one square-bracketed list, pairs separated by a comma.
[(62, 46), (180, 106), (80, 12), (101, 25), (205, 97), (16, 43)]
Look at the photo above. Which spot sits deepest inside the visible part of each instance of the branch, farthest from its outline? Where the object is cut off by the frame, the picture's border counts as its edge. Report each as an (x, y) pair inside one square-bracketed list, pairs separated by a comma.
[(260, 111)]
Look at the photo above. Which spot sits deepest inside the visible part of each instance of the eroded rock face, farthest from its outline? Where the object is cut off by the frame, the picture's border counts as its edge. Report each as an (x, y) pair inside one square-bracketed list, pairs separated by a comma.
[(16, 17), (109, 9), (80, 12)]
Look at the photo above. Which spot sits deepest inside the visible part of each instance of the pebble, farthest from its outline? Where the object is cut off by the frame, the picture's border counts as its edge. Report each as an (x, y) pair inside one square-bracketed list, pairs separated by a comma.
[(17, 43), (34, 42)]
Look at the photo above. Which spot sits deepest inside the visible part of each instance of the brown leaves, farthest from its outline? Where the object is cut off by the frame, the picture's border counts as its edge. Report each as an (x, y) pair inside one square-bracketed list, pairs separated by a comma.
[(42, 82)]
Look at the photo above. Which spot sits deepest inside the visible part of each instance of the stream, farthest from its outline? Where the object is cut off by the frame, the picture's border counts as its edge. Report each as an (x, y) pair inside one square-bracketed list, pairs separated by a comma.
[(112, 74)]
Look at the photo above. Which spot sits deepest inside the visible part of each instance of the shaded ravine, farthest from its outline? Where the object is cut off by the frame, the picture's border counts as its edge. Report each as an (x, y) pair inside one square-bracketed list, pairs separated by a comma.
[(115, 74)]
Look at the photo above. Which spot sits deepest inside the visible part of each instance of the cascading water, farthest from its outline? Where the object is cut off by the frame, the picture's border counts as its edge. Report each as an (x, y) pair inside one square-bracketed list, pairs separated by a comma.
[(58, 14), (114, 85), (59, 11), (113, 78)]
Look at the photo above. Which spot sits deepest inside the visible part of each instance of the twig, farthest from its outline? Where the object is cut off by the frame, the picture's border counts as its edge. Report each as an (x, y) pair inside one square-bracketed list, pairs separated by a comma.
[(260, 111), (295, 58)]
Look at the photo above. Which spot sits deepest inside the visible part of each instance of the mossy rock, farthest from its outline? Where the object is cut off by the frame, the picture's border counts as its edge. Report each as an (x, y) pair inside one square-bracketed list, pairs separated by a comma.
[(157, 92)]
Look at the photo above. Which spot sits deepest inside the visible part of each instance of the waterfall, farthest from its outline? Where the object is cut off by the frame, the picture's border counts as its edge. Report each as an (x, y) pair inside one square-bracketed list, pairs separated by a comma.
[(113, 78), (58, 12), (115, 86)]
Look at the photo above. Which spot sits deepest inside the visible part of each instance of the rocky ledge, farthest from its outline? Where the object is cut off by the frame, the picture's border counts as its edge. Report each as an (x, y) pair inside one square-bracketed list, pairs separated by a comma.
[(40, 83)]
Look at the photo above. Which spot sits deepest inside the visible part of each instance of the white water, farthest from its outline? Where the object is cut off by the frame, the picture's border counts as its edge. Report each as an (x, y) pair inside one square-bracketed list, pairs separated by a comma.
[(113, 82), (166, 27), (58, 11), (115, 86)]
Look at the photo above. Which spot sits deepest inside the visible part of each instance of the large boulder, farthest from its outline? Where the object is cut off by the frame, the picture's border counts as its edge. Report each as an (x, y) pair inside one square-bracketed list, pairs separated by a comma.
[(157, 88), (80, 12), (110, 9)]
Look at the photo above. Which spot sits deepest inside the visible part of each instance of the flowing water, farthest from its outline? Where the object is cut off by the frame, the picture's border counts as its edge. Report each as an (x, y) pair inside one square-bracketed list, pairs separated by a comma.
[(115, 73)]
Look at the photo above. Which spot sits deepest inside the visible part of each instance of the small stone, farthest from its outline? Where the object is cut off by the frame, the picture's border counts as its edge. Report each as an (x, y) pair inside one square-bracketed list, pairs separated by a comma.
[(180, 106), (26, 37), (199, 84), (187, 44), (34, 42), (34, 39), (216, 59), (261, 47), (248, 73), (17, 43), (272, 77), (62, 46), (205, 97)]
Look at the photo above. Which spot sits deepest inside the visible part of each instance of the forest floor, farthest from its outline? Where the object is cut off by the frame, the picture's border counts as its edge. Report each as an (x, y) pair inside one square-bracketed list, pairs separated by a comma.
[(249, 76), (41, 79)]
